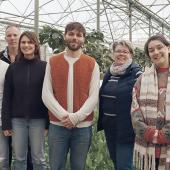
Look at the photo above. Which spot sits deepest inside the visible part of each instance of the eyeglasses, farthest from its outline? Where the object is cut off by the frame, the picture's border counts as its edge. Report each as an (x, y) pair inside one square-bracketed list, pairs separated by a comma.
[(123, 52)]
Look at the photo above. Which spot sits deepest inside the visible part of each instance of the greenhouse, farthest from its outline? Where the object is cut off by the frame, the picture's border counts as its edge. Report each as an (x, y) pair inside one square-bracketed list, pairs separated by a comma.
[(109, 70)]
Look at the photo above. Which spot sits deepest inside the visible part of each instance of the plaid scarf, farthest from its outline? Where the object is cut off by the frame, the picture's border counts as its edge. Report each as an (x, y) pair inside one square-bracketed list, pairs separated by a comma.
[(144, 153)]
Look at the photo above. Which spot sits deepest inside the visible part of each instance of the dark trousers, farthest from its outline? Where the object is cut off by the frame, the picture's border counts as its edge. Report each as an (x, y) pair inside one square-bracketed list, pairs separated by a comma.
[(120, 153), (157, 163), (29, 159)]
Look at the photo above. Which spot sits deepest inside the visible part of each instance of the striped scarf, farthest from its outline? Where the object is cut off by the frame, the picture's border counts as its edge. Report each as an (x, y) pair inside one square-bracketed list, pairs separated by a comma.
[(144, 153)]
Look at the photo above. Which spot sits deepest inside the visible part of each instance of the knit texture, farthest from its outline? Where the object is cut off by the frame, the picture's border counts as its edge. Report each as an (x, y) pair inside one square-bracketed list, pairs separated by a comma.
[(83, 69), (145, 118)]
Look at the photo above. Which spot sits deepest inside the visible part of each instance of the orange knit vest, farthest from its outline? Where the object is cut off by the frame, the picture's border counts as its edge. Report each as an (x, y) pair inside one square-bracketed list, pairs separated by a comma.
[(83, 69)]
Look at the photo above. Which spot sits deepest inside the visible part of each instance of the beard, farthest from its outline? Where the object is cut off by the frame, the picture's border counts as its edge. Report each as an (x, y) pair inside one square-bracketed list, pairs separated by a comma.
[(74, 47)]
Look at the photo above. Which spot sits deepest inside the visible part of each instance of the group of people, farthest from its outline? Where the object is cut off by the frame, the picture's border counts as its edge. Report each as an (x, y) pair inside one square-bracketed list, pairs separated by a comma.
[(58, 98), (37, 98), (134, 107), (23, 114)]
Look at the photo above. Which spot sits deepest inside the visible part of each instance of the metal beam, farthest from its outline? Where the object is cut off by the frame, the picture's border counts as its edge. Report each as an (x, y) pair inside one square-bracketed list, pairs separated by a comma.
[(98, 15), (145, 11), (149, 14), (36, 17), (130, 21), (14, 23)]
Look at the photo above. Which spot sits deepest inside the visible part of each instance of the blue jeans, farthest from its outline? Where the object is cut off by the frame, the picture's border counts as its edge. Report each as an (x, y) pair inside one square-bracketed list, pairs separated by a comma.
[(61, 140), (4, 151), (120, 153), (32, 129)]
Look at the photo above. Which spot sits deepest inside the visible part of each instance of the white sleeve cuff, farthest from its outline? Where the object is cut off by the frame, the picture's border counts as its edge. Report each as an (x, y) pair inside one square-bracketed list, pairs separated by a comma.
[(74, 118)]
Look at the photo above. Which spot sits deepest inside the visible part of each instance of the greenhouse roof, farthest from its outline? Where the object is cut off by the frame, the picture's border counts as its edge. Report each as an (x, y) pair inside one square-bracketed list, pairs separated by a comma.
[(134, 20)]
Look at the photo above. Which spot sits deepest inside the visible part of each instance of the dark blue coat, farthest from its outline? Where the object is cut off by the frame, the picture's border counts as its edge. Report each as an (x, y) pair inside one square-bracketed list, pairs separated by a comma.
[(119, 125)]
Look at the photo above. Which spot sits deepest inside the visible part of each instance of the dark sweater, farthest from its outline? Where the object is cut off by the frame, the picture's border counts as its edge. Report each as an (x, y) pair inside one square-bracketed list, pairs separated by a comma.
[(22, 91), (115, 104)]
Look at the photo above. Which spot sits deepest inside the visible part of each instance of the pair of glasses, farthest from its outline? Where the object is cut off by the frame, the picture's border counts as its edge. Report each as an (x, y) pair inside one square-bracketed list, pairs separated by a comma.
[(123, 52)]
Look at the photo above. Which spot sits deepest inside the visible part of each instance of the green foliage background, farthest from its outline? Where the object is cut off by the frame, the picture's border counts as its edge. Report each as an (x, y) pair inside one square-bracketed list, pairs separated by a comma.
[(99, 48)]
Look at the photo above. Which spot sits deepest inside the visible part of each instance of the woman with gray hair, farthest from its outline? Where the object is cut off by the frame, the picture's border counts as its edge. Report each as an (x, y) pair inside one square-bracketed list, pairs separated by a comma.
[(115, 105)]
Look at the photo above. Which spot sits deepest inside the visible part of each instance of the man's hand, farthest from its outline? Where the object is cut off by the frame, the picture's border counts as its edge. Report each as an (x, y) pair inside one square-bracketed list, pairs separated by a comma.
[(66, 122), (155, 136)]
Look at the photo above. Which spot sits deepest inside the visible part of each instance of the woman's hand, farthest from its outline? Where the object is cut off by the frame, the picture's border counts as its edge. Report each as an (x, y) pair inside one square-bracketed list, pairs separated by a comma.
[(8, 132)]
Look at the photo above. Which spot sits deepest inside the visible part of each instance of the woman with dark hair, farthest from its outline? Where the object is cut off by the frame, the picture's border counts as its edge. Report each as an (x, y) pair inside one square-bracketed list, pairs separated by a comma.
[(151, 108), (24, 115), (115, 99)]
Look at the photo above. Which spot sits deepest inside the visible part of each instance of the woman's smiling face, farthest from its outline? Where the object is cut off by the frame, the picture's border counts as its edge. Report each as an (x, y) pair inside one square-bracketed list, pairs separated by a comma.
[(121, 54), (159, 53)]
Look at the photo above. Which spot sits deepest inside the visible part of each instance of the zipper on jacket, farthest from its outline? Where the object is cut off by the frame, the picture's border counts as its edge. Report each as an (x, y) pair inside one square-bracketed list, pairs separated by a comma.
[(28, 87)]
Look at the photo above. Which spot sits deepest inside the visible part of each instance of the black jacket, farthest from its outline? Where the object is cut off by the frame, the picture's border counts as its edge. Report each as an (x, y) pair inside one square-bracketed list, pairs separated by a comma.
[(5, 56), (119, 125), (22, 91)]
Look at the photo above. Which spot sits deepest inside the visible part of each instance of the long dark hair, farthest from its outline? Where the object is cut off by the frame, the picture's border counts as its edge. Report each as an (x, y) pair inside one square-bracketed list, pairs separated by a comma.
[(33, 38)]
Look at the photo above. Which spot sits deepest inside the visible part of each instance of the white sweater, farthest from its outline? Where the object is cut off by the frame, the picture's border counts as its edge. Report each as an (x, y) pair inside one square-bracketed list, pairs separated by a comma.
[(3, 69), (53, 105)]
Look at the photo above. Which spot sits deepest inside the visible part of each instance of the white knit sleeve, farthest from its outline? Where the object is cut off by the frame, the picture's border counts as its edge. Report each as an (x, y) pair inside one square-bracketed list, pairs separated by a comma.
[(91, 101), (48, 97)]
